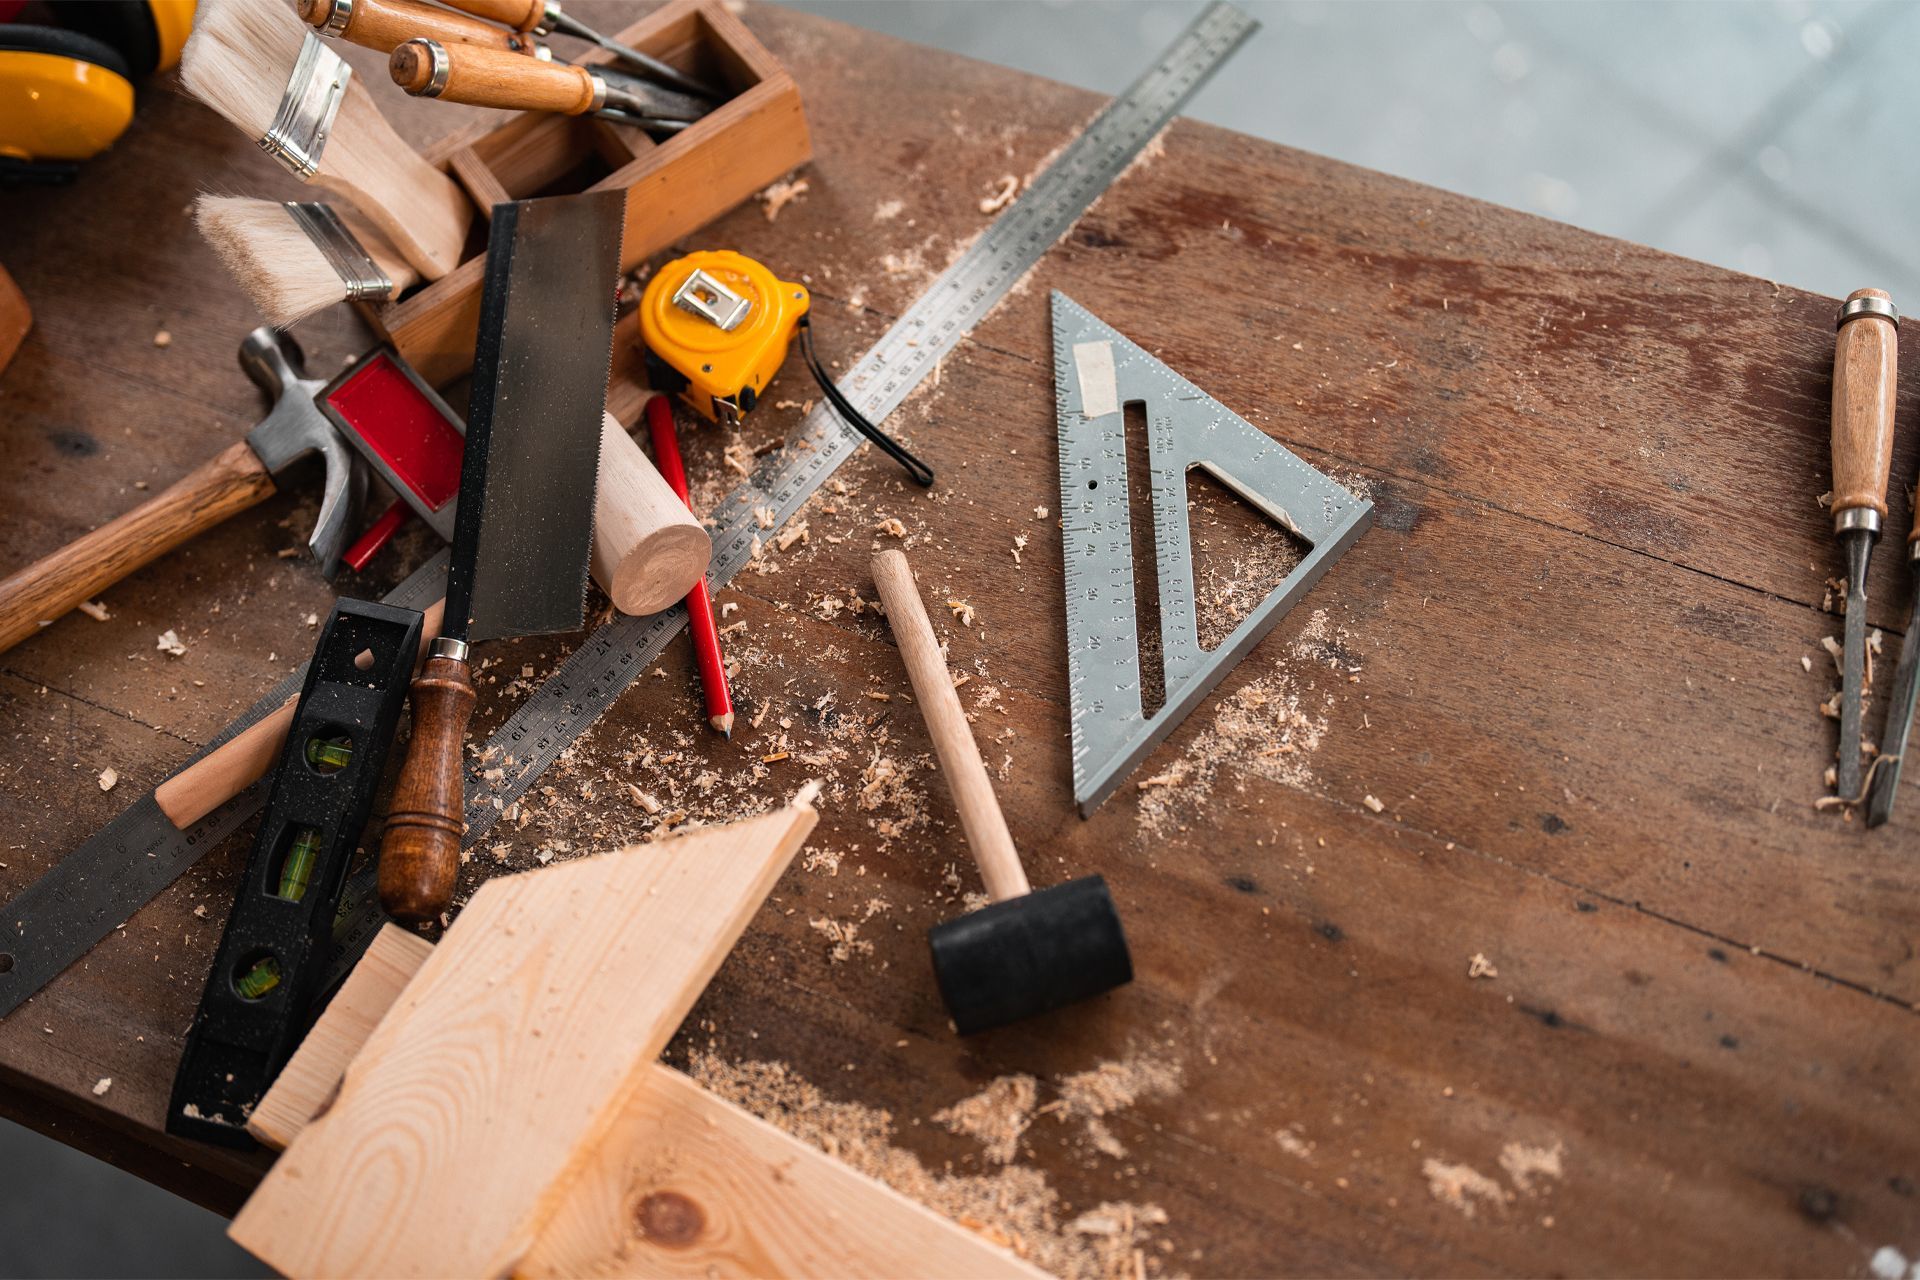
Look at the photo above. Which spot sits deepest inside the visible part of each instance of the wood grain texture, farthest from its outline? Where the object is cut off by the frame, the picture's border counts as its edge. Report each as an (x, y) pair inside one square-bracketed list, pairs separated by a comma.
[(683, 1184), (459, 1126), (420, 848), (16, 318), (383, 24), (648, 549), (231, 482), (1578, 623), (419, 208), (960, 765), (521, 15), (1866, 363), (482, 77)]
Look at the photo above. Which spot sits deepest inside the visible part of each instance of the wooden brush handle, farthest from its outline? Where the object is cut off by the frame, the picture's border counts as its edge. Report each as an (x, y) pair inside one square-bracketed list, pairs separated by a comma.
[(420, 852), (492, 78), (953, 743), (521, 15), (382, 24), (230, 483), (416, 206), (244, 759), (1865, 358)]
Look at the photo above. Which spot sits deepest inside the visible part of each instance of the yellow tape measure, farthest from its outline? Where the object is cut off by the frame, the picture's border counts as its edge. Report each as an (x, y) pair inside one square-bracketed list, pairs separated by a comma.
[(715, 327)]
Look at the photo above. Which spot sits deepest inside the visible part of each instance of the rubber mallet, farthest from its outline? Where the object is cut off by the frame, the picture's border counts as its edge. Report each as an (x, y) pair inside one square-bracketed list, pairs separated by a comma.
[(1026, 952)]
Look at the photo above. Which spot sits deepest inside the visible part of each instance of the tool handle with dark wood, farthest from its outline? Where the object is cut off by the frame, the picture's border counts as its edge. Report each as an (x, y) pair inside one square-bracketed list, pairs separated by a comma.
[(382, 24), (1865, 359), (228, 484), (953, 743), (491, 78), (521, 15), (420, 852)]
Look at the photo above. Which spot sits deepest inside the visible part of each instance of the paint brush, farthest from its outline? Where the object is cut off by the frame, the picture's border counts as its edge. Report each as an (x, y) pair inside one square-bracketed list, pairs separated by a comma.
[(296, 259), (258, 65)]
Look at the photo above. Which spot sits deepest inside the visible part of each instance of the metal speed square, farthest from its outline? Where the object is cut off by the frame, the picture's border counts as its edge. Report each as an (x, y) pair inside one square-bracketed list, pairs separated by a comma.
[(1096, 374)]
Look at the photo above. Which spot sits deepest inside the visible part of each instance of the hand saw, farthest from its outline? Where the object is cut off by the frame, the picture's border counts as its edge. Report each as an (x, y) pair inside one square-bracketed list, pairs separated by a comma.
[(137, 855)]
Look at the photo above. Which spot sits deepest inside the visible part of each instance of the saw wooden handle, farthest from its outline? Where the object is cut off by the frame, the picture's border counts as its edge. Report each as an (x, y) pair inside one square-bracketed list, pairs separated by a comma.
[(382, 24), (491, 78), (521, 15), (244, 759), (1865, 359), (420, 852), (953, 743), (83, 568)]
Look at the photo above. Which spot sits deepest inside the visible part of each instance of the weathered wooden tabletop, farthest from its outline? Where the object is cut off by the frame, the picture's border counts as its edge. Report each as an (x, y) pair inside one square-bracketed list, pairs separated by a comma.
[(1557, 710)]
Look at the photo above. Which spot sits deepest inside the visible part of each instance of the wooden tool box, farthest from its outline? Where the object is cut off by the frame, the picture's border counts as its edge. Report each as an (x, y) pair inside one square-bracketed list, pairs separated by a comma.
[(674, 187)]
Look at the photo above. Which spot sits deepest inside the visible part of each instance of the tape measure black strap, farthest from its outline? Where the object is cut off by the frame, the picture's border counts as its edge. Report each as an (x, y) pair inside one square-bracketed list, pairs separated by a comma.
[(921, 473)]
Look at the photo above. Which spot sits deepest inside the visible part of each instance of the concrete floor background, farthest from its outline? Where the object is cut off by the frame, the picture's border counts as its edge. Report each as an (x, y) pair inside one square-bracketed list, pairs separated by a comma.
[(1761, 135)]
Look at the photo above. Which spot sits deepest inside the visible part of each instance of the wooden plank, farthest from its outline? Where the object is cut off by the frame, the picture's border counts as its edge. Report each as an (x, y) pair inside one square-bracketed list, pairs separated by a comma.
[(460, 1123), (683, 1184)]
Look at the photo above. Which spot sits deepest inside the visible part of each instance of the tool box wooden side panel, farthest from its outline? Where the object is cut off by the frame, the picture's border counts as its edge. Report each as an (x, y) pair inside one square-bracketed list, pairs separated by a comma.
[(675, 187)]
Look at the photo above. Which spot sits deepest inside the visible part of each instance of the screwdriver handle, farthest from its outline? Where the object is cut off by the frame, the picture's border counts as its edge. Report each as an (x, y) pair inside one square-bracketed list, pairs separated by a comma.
[(1865, 360), (521, 15), (420, 852), (483, 77), (382, 24)]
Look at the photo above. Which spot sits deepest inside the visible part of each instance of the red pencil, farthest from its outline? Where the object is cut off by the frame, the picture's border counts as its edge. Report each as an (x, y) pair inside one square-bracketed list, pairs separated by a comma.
[(706, 636)]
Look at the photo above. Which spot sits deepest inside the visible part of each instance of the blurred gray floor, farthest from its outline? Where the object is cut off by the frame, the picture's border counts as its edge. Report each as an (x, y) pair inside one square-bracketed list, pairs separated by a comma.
[(1755, 134)]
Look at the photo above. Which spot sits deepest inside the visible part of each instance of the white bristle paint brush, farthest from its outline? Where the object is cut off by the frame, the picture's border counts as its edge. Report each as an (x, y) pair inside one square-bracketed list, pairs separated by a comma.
[(241, 61), (294, 260)]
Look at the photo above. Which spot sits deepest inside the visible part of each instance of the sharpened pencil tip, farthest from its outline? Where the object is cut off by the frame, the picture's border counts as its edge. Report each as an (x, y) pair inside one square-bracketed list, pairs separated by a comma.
[(723, 723)]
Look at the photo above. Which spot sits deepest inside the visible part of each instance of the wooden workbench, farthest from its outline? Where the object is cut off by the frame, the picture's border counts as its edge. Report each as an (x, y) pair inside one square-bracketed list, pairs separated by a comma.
[(1565, 667)]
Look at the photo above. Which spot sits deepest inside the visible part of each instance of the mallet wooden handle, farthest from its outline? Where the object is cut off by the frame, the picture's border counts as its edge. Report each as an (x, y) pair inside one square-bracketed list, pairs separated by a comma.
[(229, 483), (244, 759), (382, 24), (521, 15), (420, 852), (953, 743), (1865, 359), (492, 78)]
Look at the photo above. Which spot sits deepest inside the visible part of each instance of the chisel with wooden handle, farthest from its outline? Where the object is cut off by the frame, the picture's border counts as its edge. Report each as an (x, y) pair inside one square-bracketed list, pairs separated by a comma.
[(482, 77), (239, 477), (382, 24), (1865, 361), (539, 17)]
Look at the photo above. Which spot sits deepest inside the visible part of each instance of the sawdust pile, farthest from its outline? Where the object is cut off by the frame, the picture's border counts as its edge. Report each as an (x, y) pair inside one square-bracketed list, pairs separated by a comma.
[(1015, 1206), (1090, 1096), (1262, 728), (995, 1117), (1462, 1187)]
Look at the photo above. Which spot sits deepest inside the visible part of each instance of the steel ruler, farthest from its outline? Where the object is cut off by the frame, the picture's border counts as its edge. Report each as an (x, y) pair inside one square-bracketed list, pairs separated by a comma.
[(570, 700)]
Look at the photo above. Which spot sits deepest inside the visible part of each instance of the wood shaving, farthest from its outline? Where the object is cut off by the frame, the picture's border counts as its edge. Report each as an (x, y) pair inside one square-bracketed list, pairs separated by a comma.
[(1523, 1164), (642, 799), (791, 535), (739, 459), (888, 210), (1015, 1206), (995, 1117), (1090, 1096), (1000, 199), (1462, 1187), (171, 644), (891, 526), (1372, 802), (1019, 545), (95, 609), (101, 1086), (1481, 967), (163, 339), (962, 611), (781, 194), (108, 779), (1260, 717)]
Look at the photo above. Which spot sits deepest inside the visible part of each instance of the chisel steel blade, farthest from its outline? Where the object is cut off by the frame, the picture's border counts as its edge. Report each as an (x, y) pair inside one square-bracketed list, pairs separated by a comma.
[(525, 523), (1893, 743)]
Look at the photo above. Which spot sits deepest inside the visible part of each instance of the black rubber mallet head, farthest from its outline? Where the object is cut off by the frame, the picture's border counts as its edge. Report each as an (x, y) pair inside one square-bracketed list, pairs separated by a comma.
[(1027, 952)]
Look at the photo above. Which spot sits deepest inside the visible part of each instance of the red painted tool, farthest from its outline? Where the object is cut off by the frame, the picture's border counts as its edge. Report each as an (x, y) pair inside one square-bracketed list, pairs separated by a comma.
[(706, 636), (407, 434)]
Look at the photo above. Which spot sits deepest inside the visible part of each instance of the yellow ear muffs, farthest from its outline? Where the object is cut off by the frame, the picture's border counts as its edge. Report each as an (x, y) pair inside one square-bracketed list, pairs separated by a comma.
[(148, 34), (63, 96)]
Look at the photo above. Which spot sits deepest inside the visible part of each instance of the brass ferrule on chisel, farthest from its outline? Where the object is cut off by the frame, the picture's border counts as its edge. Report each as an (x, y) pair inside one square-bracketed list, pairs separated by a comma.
[(298, 135), (349, 259)]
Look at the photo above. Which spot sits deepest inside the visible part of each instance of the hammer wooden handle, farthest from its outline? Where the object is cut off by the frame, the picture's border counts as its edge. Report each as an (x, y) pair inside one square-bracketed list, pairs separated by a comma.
[(1865, 359), (492, 78), (953, 743), (229, 483), (382, 24), (420, 852), (244, 759)]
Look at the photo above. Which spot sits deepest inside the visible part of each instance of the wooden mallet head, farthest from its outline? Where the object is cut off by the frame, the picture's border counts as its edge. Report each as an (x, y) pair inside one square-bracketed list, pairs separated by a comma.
[(1027, 952)]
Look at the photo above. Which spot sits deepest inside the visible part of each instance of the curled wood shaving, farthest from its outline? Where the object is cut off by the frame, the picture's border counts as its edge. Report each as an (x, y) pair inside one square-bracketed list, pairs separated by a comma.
[(781, 194), (891, 526), (170, 643), (1001, 198), (1481, 967), (94, 609)]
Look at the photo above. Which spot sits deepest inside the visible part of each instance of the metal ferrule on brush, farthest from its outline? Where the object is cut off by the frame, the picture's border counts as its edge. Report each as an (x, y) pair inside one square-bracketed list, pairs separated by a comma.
[(342, 250), (315, 90)]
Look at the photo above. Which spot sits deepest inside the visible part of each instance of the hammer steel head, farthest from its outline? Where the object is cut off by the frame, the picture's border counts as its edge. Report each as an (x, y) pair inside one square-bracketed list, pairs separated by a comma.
[(1030, 954), (295, 428)]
